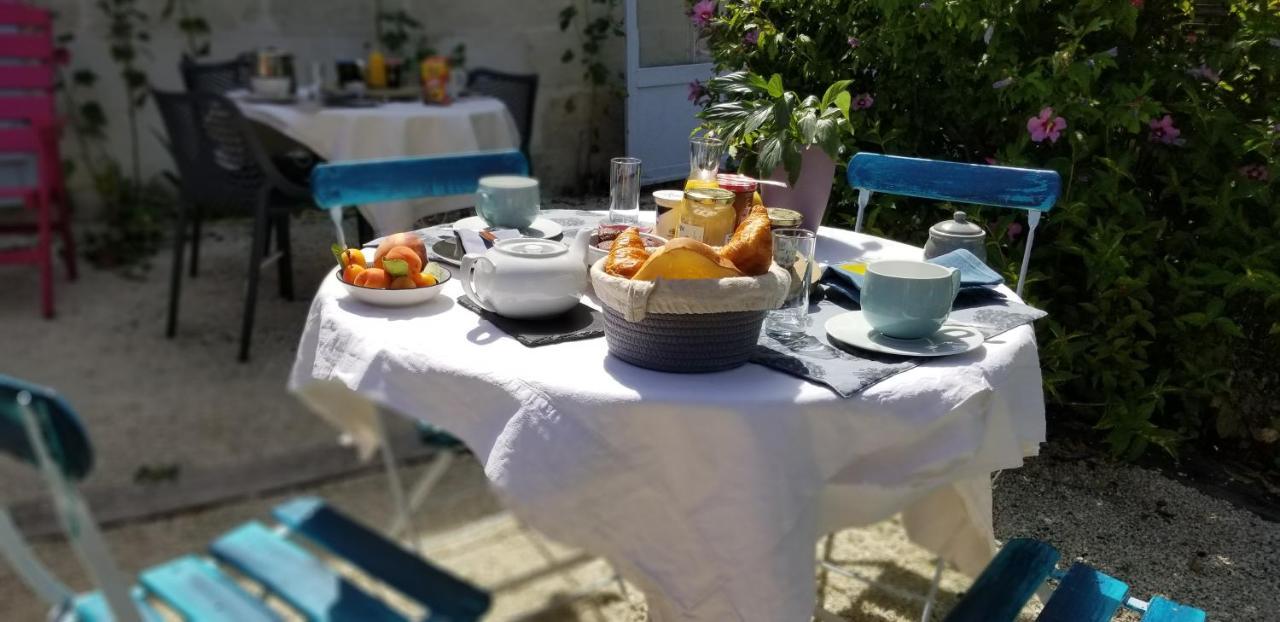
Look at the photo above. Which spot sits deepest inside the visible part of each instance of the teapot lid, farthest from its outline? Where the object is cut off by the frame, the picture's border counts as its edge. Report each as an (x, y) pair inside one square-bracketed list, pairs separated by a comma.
[(533, 248), (958, 227)]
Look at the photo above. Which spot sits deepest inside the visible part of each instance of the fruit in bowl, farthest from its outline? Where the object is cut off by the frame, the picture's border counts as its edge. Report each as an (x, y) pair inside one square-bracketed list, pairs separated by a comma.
[(399, 274)]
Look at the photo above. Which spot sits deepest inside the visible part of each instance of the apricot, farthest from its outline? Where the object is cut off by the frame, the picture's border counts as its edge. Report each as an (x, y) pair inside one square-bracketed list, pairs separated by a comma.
[(375, 278), (350, 257), (414, 243), (403, 253), (352, 271), (402, 282), (424, 279)]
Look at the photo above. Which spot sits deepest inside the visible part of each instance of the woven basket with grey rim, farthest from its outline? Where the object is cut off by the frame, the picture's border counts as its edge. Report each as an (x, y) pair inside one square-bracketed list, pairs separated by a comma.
[(686, 326)]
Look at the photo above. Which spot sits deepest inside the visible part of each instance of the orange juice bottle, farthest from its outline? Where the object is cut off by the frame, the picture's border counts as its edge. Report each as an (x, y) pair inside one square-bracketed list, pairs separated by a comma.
[(376, 70)]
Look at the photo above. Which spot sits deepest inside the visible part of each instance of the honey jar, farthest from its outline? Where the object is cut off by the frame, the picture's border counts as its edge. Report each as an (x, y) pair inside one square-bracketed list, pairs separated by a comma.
[(708, 215)]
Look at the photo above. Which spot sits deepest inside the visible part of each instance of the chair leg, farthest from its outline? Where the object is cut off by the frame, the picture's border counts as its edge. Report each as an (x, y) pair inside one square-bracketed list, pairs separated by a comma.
[(197, 219), (68, 240), (932, 596), (44, 246), (260, 224), (284, 269), (175, 275)]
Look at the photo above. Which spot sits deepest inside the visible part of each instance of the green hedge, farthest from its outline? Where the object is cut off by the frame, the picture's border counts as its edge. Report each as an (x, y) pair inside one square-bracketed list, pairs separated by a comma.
[(1160, 263)]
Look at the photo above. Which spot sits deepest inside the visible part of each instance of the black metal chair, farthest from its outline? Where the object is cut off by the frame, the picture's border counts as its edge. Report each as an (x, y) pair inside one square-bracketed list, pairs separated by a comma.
[(518, 92), (216, 77), (221, 162)]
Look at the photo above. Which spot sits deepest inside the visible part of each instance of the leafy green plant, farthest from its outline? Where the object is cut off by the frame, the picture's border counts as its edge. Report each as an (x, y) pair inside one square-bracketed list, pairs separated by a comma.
[(193, 26), (766, 125), (395, 29), (1160, 264), (594, 22)]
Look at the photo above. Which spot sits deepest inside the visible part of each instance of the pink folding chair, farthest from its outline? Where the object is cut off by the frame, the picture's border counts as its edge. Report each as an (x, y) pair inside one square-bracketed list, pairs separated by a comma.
[(29, 127)]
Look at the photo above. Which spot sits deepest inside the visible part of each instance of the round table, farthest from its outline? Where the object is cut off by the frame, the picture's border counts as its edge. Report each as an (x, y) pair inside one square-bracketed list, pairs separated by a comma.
[(390, 130), (708, 491)]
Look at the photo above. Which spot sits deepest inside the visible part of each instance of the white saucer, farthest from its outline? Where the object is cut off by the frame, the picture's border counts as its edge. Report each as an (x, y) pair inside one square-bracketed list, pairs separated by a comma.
[(542, 227), (852, 328)]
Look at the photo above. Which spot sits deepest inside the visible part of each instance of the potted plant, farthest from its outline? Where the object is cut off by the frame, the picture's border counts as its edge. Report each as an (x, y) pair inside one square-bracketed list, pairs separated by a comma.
[(777, 134)]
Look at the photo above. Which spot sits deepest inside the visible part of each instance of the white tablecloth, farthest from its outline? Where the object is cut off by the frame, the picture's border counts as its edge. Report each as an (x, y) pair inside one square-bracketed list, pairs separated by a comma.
[(391, 130), (708, 491)]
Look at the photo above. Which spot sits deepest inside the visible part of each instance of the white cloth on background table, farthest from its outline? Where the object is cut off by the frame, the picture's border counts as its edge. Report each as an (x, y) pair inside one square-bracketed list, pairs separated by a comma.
[(391, 130), (708, 491)]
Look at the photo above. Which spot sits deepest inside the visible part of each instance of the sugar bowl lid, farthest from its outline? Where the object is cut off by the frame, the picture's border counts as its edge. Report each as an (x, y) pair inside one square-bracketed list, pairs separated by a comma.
[(958, 227)]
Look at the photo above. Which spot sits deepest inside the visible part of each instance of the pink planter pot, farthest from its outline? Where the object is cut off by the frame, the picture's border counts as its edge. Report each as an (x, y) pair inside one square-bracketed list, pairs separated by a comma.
[(811, 191)]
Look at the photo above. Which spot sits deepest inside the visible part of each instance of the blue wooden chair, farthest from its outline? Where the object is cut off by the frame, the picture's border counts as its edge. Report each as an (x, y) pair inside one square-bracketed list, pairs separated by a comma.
[(999, 186), (359, 182), (1082, 595), (340, 184), (39, 428)]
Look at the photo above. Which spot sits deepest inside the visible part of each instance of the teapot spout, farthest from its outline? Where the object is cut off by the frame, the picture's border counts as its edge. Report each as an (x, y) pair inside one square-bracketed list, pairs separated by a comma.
[(578, 249)]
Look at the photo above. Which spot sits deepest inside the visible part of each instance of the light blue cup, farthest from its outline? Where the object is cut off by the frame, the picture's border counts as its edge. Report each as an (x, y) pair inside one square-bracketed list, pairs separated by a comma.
[(908, 299), (508, 201)]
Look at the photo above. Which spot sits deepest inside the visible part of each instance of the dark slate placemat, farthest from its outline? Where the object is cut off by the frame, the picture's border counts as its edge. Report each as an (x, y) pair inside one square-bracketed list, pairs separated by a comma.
[(576, 324), (847, 370)]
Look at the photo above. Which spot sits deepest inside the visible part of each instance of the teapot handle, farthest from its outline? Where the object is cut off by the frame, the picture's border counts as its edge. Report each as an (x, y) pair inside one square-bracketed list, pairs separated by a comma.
[(469, 265)]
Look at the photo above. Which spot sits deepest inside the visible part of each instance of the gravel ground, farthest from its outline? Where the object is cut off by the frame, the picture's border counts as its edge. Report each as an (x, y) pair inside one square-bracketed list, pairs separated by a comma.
[(185, 402)]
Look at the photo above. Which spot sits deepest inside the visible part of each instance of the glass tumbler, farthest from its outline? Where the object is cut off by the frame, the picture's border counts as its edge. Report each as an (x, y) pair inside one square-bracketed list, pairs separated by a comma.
[(624, 191), (793, 251)]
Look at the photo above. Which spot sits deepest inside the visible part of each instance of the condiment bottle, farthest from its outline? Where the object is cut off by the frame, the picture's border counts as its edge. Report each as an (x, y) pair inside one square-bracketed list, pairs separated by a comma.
[(704, 162), (376, 70), (670, 204), (743, 189), (708, 215)]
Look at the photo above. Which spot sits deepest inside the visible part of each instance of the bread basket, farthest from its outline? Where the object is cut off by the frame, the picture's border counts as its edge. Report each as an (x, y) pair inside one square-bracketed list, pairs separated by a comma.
[(686, 326)]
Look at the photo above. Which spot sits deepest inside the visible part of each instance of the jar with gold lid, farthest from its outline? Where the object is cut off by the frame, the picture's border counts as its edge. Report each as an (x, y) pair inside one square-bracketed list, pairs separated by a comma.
[(708, 215)]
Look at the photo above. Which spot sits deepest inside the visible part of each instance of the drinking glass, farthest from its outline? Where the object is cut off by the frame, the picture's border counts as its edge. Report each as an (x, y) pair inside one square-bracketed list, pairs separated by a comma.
[(704, 162), (793, 252), (624, 191)]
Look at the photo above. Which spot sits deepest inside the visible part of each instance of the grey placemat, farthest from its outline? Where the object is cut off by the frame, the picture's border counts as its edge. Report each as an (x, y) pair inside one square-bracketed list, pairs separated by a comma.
[(848, 371), (576, 324)]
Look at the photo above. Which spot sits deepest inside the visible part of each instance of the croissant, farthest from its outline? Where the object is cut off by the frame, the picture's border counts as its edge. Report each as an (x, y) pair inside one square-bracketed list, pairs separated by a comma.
[(627, 254), (751, 247)]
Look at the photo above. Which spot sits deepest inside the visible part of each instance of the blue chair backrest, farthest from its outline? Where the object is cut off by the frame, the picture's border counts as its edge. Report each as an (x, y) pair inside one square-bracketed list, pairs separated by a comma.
[(1033, 190), (63, 433), (359, 182)]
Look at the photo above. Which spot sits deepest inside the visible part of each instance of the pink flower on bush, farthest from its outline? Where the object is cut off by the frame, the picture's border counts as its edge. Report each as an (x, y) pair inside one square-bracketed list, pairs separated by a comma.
[(697, 91), (863, 101), (1014, 231), (1256, 172), (1163, 131), (854, 42), (702, 13), (1136, 3), (751, 38), (990, 160), (1046, 126)]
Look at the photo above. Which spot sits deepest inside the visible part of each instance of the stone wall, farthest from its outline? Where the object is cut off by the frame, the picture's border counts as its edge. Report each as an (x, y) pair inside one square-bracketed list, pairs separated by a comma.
[(520, 36)]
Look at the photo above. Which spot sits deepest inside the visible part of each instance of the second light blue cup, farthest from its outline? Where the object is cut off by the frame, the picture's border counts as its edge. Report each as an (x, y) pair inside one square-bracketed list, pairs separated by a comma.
[(908, 299), (508, 201)]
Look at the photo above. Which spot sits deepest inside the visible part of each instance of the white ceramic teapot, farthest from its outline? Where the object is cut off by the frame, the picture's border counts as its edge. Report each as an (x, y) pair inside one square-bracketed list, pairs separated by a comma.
[(527, 278)]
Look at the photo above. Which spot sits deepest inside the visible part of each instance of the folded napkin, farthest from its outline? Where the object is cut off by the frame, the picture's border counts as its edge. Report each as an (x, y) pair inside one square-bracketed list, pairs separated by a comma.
[(976, 279)]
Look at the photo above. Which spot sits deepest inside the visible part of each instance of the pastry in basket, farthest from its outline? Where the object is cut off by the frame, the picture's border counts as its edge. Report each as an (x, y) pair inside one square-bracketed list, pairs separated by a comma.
[(685, 258), (627, 254), (751, 247)]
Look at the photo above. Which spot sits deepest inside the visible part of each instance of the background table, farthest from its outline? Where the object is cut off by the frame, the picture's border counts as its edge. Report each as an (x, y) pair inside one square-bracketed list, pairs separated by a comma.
[(390, 130), (708, 491)]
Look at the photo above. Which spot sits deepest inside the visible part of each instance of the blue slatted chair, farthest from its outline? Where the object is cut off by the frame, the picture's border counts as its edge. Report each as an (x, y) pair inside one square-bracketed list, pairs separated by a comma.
[(1083, 593), (998, 186), (359, 182), (39, 428)]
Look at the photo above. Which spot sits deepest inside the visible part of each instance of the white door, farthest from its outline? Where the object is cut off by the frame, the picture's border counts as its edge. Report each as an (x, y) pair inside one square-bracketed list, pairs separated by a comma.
[(663, 57)]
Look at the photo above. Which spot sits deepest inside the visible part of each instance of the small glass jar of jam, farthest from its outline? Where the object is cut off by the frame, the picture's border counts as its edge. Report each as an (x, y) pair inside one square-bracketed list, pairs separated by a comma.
[(743, 189), (708, 215)]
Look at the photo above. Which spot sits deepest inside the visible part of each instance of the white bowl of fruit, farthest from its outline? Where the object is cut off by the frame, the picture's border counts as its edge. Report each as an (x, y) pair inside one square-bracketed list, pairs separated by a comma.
[(398, 274)]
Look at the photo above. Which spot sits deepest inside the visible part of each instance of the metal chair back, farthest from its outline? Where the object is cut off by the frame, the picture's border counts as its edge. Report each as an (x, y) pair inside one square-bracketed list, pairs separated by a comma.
[(216, 77), (518, 92), (1032, 190)]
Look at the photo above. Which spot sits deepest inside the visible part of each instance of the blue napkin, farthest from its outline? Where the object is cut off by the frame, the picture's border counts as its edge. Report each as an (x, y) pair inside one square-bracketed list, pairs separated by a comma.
[(975, 277)]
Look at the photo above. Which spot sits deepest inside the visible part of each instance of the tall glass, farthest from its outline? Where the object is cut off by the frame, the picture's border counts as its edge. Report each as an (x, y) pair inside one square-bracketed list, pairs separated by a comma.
[(793, 252), (704, 162), (624, 191)]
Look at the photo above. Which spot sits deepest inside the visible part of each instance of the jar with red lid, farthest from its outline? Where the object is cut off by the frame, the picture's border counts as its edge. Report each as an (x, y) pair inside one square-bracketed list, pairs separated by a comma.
[(743, 189)]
